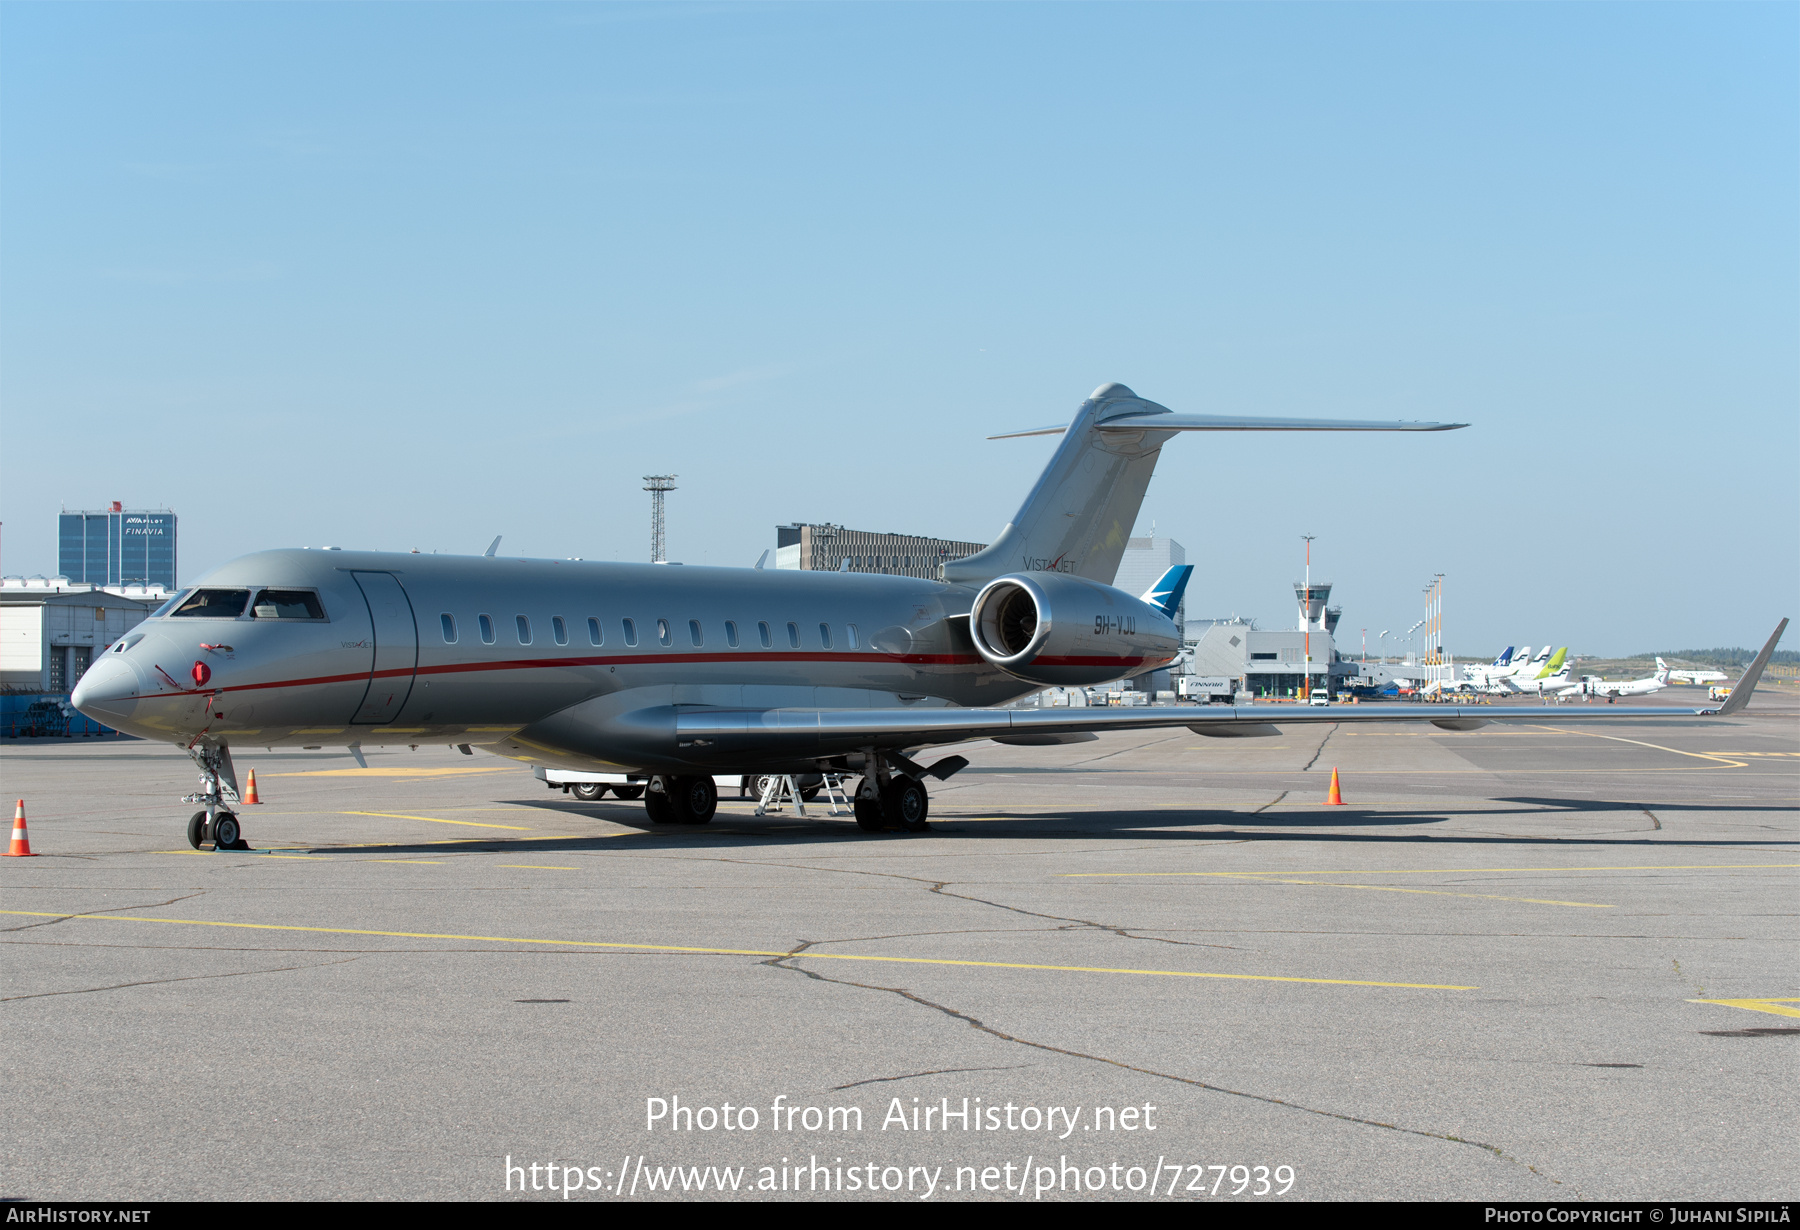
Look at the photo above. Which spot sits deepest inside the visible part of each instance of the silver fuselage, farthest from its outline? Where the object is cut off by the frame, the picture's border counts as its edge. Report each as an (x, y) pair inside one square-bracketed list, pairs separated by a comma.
[(501, 653)]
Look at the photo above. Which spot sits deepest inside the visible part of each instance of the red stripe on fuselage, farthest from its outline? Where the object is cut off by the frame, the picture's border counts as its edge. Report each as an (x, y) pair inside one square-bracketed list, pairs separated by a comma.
[(652, 658)]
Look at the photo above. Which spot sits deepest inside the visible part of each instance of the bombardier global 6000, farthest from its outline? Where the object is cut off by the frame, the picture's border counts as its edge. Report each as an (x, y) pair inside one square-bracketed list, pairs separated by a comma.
[(675, 674)]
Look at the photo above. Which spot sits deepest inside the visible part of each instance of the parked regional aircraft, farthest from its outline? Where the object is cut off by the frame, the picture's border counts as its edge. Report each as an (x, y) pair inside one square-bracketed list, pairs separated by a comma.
[(1593, 685), (1676, 676), (679, 673)]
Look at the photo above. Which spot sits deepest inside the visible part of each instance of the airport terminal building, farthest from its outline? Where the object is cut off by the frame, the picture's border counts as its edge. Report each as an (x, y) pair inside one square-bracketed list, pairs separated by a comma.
[(1267, 662)]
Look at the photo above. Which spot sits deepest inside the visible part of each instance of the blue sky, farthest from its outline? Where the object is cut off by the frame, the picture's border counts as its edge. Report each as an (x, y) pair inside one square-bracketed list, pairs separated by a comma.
[(400, 276)]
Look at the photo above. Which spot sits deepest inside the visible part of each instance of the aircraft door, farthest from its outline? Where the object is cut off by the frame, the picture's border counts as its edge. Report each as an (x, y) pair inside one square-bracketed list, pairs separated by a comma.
[(396, 648)]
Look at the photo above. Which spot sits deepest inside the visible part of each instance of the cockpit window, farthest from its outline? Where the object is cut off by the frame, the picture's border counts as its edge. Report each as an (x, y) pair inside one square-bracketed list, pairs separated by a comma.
[(212, 604), (287, 604), (170, 605)]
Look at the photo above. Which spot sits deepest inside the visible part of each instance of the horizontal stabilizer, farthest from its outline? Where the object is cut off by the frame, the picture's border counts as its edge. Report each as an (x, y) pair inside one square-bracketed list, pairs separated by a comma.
[(1233, 422)]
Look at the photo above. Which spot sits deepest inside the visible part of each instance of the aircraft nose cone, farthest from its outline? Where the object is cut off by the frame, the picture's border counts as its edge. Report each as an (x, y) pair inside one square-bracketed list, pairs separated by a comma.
[(108, 692)]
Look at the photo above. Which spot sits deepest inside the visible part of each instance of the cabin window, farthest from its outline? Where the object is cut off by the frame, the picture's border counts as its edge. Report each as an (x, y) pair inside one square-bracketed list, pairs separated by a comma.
[(213, 604), (662, 632), (855, 641), (524, 626), (287, 604), (559, 631), (794, 636), (487, 629), (762, 631), (731, 636), (448, 622), (631, 632), (825, 635), (694, 633), (595, 636)]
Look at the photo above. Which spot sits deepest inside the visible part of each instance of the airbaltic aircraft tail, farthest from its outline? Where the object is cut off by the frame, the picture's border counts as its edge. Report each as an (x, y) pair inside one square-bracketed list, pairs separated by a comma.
[(1078, 517)]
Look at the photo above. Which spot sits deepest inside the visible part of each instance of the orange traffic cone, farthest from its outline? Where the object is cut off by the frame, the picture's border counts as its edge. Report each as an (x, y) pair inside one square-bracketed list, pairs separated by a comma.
[(250, 798), (1336, 797), (21, 842)]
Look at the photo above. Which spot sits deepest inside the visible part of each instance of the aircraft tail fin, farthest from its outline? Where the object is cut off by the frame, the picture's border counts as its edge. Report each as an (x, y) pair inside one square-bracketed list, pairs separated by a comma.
[(1166, 594), (1504, 658), (1079, 515)]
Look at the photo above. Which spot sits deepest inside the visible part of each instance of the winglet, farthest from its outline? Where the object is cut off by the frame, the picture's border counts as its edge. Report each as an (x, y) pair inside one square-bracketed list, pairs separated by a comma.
[(761, 560), (493, 546), (1740, 692), (1165, 595)]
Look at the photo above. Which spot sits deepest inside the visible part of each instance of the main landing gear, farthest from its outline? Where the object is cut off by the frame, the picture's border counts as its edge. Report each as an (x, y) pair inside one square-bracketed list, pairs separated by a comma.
[(681, 800), (218, 785), (888, 800)]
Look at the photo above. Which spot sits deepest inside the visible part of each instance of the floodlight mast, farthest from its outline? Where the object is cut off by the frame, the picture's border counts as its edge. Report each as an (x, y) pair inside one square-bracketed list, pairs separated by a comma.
[(1306, 623), (658, 485)]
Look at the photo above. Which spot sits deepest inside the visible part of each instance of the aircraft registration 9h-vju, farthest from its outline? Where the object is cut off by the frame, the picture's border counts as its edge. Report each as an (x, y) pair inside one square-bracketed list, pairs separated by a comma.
[(678, 673)]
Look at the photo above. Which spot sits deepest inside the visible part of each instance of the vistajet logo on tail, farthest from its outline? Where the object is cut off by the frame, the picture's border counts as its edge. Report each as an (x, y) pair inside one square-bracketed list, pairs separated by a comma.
[(1040, 564)]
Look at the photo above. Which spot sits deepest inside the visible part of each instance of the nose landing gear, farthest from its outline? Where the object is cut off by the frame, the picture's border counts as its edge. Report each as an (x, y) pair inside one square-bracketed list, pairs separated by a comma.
[(218, 785)]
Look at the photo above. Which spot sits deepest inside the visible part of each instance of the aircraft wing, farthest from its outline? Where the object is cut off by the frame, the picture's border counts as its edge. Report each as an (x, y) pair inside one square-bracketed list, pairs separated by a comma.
[(829, 732), (833, 732)]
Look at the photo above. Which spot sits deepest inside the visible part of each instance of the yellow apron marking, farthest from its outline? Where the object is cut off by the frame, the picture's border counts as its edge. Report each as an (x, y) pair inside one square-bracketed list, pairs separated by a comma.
[(474, 824), (742, 952), (1434, 892), (1712, 756), (1431, 871), (1777, 1006)]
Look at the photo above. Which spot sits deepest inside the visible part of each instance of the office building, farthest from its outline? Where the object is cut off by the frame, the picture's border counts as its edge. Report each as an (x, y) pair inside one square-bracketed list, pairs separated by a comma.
[(117, 546), (832, 548)]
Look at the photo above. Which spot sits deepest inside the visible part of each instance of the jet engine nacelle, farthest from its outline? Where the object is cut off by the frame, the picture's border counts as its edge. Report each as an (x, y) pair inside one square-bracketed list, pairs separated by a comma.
[(1058, 629)]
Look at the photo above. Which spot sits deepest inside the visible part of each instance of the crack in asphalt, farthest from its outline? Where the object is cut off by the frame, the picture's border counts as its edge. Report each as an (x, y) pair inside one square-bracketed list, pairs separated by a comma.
[(940, 888), (1320, 750), (1653, 820), (975, 1023), (151, 982), (51, 922), (876, 1080), (1271, 803)]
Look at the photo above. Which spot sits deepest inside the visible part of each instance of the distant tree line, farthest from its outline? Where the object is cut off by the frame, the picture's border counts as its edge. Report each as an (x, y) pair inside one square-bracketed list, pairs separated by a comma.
[(1726, 657)]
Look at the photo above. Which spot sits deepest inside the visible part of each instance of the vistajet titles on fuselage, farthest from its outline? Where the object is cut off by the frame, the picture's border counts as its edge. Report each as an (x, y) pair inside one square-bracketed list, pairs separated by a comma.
[(677, 673)]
